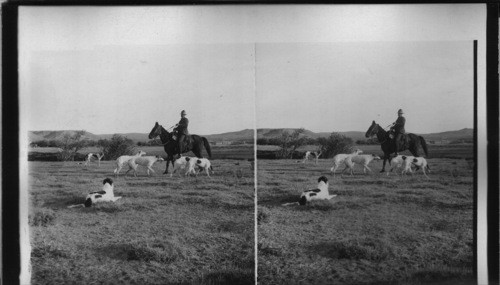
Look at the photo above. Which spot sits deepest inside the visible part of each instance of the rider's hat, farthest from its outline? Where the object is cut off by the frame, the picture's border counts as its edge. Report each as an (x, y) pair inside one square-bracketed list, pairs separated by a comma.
[(183, 112), (400, 111)]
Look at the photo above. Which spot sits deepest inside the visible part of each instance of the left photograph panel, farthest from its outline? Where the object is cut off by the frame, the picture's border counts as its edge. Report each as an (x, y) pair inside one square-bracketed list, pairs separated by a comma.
[(137, 147)]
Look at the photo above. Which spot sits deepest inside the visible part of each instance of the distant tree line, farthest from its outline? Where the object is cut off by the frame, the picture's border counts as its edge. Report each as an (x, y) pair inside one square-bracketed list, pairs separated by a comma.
[(70, 144), (367, 141), (311, 141), (289, 143)]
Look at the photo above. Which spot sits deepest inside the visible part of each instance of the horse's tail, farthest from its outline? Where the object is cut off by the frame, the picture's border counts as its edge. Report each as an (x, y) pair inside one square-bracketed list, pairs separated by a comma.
[(424, 145), (207, 147)]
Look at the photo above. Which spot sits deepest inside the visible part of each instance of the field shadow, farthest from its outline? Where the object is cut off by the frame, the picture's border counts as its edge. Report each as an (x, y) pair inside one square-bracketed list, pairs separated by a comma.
[(230, 226), (430, 202), (63, 200), (355, 249), (233, 276), (272, 200), (160, 251), (439, 275)]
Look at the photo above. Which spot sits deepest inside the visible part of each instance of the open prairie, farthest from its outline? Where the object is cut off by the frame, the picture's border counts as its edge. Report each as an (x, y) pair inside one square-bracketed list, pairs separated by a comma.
[(379, 229), (164, 230)]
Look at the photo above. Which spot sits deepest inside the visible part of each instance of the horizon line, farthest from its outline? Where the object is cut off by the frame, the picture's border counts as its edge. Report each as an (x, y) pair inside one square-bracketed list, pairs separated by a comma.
[(132, 132)]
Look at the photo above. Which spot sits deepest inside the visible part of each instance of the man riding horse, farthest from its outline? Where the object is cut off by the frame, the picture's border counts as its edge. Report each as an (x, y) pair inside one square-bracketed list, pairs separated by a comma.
[(182, 131), (398, 127)]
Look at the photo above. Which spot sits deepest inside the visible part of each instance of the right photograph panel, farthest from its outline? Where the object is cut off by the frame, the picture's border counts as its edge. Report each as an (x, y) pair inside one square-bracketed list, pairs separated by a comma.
[(365, 162)]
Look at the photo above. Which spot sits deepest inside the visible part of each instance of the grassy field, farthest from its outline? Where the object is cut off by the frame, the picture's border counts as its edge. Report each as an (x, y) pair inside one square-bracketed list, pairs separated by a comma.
[(378, 230), (164, 230)]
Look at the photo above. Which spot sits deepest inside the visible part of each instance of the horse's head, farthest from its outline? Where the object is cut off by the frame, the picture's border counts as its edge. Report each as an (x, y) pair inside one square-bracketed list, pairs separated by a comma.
[(372, 130), (156, 131)]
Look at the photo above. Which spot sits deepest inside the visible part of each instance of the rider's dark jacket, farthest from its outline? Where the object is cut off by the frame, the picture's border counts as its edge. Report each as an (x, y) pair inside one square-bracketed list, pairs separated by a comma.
[(399, 125), (182, 127)]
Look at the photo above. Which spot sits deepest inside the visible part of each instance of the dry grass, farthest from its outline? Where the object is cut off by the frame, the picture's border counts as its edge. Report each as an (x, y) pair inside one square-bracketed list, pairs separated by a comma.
[(163, 231), (378, 230)]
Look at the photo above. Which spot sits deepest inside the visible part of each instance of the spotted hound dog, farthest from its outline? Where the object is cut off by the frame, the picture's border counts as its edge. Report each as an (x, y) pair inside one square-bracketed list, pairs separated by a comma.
[(311, 154), (421, 162), (204, 164), (320, 193), (105, 195), (91, 156)]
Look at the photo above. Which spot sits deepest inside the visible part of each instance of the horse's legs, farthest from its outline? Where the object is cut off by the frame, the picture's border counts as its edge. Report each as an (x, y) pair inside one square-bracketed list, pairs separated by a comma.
[(383, 164), (169, 158)]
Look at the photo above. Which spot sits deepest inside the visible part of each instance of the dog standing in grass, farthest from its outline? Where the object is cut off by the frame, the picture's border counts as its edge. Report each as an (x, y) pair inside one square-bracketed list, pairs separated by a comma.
[(183, 162), (146, 161), (105, 195), (91, 156), (421, 162), (204, 164), (320, 193)]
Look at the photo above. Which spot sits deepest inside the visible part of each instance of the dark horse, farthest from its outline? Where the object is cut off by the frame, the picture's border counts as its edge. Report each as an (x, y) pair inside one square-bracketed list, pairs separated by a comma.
[(412, 142), (194, 143)]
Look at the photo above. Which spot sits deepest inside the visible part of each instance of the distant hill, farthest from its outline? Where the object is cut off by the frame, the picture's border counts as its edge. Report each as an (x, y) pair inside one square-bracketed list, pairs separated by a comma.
[(136, 137), (463, 134), (57, 135), (247, 135), (239, 136)]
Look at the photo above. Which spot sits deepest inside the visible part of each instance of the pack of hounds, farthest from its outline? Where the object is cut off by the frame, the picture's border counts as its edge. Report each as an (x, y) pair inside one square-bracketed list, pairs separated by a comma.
[(191, 166), (399, 162)]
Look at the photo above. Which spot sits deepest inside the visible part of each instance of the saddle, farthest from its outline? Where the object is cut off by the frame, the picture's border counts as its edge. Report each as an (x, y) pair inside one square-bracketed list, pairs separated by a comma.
[(403, 141), (187, 140)]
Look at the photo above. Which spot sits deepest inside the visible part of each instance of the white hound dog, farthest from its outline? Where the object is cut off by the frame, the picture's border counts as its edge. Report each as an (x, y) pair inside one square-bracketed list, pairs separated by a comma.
[(183, 162), (407, 164), (399, 162), (195, 165), (310, 154), (124, 158), (363, 159), (146, 161), (340, 158), (421, 163), (105, 195), (320, 193), (204, 164), (97, 156)]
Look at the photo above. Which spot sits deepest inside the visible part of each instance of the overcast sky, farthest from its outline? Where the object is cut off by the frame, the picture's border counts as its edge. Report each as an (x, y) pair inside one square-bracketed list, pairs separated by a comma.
[(321, 67)]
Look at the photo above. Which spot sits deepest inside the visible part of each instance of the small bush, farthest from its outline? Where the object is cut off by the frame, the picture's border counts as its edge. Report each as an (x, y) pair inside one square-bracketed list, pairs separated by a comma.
[(116, 147), (41, 217), (335, 144), (71, 143)]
